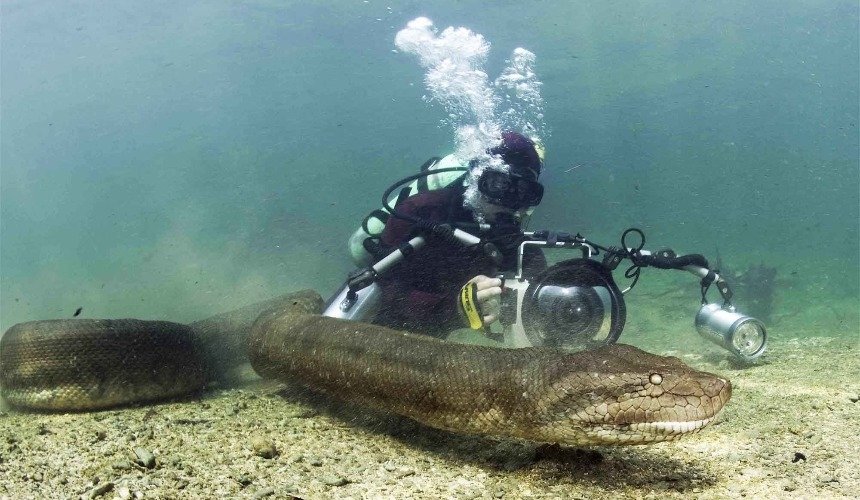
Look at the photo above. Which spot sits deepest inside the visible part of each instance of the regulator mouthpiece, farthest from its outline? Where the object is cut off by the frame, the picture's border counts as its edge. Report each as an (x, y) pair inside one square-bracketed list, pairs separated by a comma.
[(743, 336)]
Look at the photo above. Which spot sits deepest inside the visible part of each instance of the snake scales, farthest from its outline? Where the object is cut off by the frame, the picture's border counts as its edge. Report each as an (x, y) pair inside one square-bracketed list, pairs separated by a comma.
[(616, 394)]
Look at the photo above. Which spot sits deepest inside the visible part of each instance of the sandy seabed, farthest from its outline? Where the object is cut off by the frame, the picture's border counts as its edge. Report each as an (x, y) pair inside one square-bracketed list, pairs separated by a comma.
[(791, 430)]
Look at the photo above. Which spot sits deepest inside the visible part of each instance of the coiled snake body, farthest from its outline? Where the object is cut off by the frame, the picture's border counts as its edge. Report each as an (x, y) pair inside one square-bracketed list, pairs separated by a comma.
[(616, 394)]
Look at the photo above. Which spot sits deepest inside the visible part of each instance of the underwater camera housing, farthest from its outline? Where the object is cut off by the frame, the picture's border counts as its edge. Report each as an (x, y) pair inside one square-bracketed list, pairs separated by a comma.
[(573, 304)]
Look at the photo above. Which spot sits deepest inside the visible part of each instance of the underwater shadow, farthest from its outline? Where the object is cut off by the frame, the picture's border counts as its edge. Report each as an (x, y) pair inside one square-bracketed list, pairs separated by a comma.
[(544, 464)]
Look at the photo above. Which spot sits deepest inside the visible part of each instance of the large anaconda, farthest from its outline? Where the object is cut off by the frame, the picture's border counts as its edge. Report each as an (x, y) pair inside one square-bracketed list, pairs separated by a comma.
[(616, 394)]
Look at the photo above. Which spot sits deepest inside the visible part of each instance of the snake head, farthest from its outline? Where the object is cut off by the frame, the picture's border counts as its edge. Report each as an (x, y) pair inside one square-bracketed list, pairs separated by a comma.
[(618, 394)]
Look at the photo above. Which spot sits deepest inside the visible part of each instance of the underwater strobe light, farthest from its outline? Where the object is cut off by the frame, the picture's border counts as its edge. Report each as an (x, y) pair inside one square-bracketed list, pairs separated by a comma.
[(742, 335)]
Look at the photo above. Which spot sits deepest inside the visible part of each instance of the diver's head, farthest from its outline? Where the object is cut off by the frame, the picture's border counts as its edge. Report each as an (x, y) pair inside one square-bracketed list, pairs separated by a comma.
[(506, 181), (520, 154)]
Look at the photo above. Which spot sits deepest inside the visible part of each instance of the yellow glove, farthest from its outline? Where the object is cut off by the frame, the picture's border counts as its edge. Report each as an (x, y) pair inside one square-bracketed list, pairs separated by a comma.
[(469, 305)]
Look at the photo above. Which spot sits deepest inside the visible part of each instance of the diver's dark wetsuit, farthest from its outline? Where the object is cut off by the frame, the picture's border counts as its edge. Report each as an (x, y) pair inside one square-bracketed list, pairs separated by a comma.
[(420, 294)]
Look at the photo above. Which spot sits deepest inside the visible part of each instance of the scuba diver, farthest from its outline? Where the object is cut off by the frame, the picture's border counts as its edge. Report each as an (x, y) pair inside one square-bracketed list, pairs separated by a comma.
[(450, 252), (448, 285)]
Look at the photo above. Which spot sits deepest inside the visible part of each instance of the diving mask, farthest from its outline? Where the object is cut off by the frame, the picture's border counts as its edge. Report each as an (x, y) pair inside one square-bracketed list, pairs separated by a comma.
[(509, 190)]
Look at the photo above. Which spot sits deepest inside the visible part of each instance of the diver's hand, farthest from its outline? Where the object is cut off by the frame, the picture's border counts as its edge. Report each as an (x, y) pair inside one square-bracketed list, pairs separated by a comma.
[(487, 296)]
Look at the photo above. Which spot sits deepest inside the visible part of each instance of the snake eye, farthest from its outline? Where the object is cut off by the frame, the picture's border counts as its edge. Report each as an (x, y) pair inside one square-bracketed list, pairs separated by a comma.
[(656, 379)]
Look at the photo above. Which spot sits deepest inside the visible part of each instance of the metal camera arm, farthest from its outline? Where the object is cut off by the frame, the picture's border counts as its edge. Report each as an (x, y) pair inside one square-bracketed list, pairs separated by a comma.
[(552, 239), (358, 298), (663, 259), (693, 263), (369, 274)]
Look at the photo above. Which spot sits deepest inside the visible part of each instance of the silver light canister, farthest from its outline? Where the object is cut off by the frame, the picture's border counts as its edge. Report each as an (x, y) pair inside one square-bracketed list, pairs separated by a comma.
[(743, 336)]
